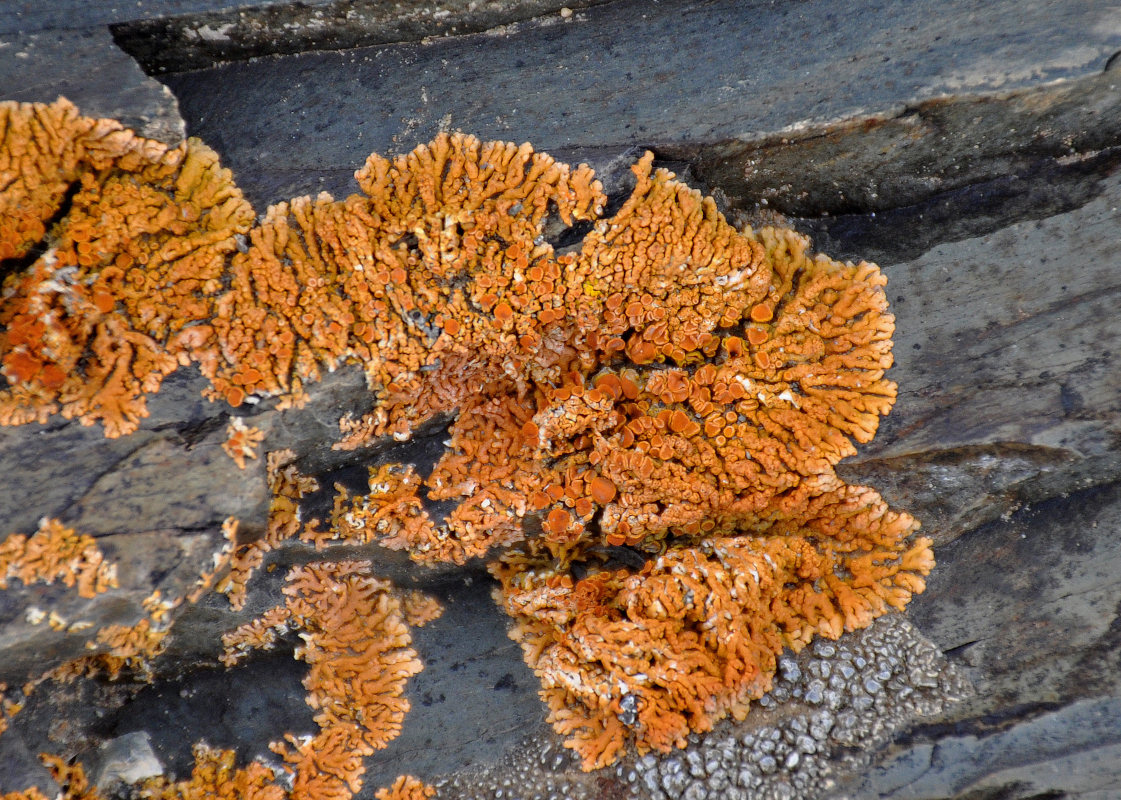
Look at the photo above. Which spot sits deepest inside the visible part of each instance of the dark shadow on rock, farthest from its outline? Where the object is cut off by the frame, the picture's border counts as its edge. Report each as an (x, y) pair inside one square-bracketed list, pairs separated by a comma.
[(242, 708), (889, 236), (473, 701)]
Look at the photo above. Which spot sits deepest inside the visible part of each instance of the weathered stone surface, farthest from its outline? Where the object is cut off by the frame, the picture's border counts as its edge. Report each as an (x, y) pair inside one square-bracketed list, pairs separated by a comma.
[(126, 759), (716, 76), (97, 54), (830, 709), (202, 38), (1028, 607), (1007, 357), (970, 148)]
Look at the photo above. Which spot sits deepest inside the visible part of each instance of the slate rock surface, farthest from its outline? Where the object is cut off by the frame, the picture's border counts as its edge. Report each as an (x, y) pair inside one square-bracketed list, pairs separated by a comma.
[(969, 148)]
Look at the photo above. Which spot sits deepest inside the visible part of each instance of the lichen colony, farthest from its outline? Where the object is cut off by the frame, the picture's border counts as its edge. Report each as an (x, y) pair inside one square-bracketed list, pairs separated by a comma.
[(644, 426)]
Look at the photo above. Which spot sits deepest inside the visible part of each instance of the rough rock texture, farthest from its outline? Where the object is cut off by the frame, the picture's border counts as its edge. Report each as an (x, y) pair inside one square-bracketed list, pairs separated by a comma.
[(970, 148), (830, 709)]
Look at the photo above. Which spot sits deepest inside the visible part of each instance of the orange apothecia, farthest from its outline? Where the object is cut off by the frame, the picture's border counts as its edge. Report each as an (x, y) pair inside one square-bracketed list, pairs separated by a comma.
[(241, 441), (123, 285), (672, 392)]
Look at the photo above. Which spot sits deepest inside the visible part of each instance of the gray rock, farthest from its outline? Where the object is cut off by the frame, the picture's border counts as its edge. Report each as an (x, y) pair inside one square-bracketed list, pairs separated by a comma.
[(126, 759), (970, 148)]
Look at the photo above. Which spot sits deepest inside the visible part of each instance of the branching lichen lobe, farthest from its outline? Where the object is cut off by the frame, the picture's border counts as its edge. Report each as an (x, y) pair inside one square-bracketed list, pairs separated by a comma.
[(56, 552), (120, 295), (645, 427)]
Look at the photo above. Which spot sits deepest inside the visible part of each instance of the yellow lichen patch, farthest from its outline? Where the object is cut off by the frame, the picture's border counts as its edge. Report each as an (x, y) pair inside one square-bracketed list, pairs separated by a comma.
[(241, 441), (406, 787), (55, 552), (123, 289)]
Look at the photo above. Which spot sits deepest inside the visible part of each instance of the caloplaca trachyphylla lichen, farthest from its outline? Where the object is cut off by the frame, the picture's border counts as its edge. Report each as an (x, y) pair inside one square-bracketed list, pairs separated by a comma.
[(644, 427)]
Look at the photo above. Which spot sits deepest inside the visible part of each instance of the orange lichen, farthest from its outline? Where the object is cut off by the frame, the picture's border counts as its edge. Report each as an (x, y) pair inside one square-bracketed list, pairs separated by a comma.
[(224, 562), (391, 513), (374, 278), (130, 648), (656, 652), (142, 275), (357, 644), (703, 405), (358, 647), (288, 486), (406, 787), (159, 608), (243, 558), (122, 289), (8, 707), (43, 149), (672, 385), (214, 777), (260, 633), (118, 647), (26, 794), (55, 552), (672, 373), (419, 608), (241, 441), (71, 778)]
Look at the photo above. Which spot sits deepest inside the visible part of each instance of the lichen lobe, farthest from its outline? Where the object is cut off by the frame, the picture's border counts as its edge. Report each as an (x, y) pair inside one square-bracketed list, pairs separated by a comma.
[(645, 427)]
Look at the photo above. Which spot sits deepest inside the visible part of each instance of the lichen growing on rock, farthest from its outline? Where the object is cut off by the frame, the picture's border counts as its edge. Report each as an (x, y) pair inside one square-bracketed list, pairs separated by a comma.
[(646, 424), (357, 645), (406, 787), (693, 636), (241, 441), (215, 775), (56, 552), (358, 649), (122, 285), (831, 707)]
